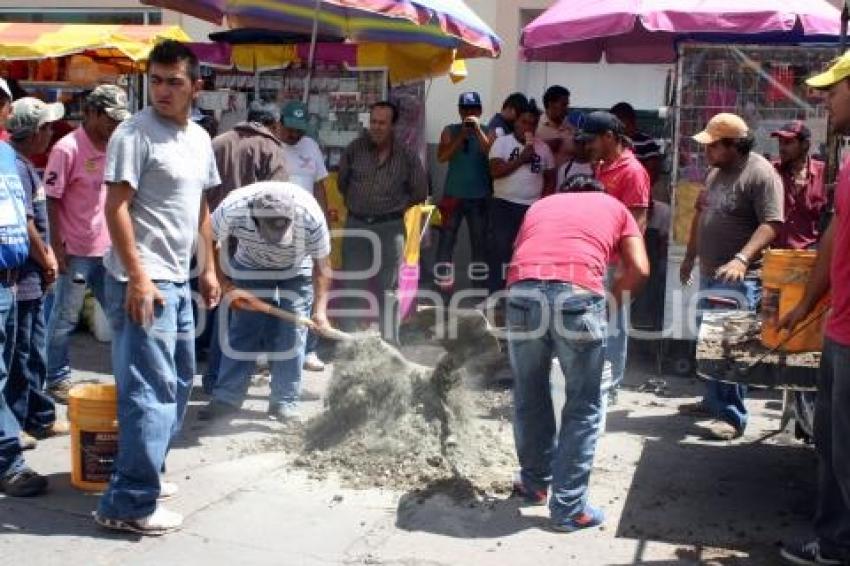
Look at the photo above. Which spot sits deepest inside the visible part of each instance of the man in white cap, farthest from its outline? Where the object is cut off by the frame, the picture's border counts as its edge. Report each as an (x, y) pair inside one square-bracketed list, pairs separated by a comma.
[(283, 256), (78, 234), (305, 165), (30, 129), (738, 215)]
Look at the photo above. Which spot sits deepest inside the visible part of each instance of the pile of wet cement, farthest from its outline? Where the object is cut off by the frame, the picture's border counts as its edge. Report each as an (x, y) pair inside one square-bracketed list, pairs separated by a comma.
[(388, 422)]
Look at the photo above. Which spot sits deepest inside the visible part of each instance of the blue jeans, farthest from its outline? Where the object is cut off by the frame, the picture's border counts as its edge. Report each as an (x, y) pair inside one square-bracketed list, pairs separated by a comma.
[(252, 333), (153, 369), (726, 400), (70, 292), (11, 460), (33, 407), (616, 348), (545, 318), (832, 428)]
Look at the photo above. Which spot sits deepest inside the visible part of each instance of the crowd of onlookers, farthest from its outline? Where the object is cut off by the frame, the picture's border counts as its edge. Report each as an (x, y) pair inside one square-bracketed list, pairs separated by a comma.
[(145, 211)]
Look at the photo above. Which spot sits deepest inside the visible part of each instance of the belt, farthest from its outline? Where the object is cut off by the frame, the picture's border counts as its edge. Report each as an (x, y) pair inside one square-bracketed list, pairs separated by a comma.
[(378, 218), (8, 277)]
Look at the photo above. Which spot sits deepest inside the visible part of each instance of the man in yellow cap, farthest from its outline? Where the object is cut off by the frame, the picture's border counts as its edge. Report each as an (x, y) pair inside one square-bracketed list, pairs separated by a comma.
[(738, 215), (832, 419)]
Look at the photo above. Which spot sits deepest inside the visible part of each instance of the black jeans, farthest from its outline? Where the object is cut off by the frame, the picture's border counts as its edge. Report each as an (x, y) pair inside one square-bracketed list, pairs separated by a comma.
[(505, 219), (832, 429), (475, 213)]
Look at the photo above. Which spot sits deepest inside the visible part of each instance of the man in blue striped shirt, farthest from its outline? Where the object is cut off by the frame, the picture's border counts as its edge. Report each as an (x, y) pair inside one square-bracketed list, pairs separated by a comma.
[(282, 255)]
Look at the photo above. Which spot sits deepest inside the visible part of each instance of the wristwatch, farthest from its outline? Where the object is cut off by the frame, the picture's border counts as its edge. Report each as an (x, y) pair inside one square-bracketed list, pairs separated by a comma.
[(742, 258)]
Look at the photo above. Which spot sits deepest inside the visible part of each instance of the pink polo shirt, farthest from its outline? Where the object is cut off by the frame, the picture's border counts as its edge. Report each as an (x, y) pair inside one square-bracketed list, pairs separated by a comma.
[(626, 180), (74, 177), (571, 237)]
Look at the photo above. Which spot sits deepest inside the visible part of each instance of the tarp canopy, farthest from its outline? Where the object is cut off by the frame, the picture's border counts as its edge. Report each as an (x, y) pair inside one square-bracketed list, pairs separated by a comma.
[(405, 63), (23, 41), (646, 31), (449, 24)]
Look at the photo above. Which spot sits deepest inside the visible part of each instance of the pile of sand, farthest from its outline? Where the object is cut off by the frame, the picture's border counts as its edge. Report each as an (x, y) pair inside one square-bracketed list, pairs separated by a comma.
[(388, 422)]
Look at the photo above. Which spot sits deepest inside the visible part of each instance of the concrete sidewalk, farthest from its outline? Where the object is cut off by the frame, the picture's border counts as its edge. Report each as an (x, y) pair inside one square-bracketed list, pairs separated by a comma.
[(670, 499)]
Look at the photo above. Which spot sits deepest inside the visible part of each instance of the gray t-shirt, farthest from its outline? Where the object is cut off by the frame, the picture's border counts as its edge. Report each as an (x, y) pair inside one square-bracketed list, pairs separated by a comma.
[(169, 166), (733, 206)]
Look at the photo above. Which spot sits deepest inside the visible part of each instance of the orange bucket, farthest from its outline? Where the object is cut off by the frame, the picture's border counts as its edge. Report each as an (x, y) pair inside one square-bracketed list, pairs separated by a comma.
[(93, 412), (784, 277)]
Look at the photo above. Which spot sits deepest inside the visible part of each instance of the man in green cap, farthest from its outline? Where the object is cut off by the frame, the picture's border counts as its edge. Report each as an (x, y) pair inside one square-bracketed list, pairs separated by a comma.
[(831, 544), (305, 164)]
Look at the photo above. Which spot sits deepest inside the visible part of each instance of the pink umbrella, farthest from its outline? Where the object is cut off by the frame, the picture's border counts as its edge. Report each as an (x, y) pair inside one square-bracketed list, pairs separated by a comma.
[(646, 31)]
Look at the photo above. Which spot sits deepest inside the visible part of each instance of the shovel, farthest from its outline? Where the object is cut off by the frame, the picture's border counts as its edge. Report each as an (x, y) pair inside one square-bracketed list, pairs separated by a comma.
[(256, 304)]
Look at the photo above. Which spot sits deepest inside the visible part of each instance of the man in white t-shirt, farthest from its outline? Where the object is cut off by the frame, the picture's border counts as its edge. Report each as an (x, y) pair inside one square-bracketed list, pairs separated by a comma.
[(305, 164), (523, 170), (283, 257)]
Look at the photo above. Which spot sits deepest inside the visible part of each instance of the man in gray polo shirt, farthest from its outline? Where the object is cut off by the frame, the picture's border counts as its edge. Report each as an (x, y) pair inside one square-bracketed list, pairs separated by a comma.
[(159, 163)]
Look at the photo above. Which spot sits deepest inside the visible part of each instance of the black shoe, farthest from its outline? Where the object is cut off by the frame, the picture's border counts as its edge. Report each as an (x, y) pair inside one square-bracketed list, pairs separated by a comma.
[(25, 483), (807, 554), (216, 410)]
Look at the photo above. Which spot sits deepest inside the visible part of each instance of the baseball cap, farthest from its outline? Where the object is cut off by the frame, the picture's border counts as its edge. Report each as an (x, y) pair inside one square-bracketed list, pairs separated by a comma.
[(597, 123), (111, 99), (469, 100), (274, 211), (29, 114), (723, 126), (794, 129), (4, 88), (838, 70), (294, 115)]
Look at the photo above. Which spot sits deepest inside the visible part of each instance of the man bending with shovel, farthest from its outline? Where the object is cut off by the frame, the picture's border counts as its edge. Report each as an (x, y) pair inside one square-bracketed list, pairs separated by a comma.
[(281, 262)]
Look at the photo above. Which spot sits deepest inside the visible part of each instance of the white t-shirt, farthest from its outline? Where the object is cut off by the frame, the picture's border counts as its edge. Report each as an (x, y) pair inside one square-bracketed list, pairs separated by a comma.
[(525, 185), (570, 169), (305, 163), (311, 236)]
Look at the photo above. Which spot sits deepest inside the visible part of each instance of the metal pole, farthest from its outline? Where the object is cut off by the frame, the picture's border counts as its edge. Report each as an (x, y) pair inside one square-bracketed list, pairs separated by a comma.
[(313, 39)]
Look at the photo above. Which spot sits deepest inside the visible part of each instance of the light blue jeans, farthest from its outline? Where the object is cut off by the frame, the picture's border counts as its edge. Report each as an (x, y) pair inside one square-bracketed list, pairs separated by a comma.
[(726, 400), (83, 273), (11, 460), (250, 334), (616, 347), (546, 318), (154, 368)]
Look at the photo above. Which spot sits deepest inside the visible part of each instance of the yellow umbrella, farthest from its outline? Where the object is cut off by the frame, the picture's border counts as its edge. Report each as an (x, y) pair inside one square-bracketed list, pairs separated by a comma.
[(23, 41)]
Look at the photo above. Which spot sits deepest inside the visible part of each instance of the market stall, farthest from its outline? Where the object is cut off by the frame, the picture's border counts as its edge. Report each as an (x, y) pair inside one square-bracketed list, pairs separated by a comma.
[(59, 62), (359, 52), (726, 55)]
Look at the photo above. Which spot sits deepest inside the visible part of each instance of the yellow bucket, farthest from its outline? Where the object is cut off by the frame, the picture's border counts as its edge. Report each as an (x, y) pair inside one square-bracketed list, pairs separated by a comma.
[(784, 277), (93, 412)]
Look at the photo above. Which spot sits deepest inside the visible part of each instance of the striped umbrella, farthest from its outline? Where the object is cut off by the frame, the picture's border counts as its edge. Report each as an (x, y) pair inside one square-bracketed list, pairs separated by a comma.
[(445, 23)]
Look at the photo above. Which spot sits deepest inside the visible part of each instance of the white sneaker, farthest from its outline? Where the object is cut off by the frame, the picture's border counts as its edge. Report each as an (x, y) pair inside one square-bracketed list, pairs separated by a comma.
[(313, 363), (168, 489), (160, 522)]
